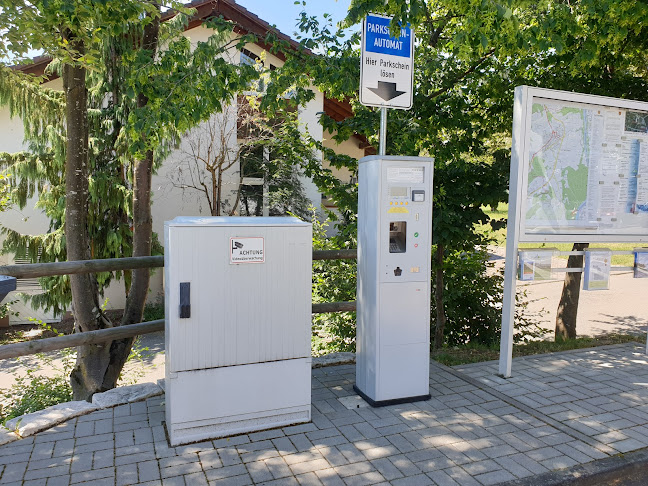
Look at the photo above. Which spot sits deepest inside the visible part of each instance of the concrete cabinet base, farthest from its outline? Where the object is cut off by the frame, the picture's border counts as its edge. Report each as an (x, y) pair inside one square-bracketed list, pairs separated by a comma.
[(219, 402)]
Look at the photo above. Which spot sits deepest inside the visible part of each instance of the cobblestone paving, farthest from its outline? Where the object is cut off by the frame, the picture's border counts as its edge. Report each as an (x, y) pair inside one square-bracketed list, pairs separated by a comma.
[(601, 392), (465, 435)]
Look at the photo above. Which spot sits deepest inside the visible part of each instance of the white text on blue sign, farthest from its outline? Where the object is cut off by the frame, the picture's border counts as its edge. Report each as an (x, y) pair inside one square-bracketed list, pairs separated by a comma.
[(379, 40)]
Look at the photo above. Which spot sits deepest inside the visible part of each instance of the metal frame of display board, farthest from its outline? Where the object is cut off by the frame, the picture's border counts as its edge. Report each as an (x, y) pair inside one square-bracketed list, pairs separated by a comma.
[(517, 230)]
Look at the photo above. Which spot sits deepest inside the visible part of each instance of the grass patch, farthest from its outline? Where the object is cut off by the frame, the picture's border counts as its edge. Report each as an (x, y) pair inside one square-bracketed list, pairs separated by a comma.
[(501, 212), (476, 354), (617, 260), (459, 355)]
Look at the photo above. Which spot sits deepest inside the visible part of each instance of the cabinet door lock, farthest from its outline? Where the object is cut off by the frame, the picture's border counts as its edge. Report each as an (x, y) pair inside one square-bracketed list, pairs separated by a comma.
[(185, 300)]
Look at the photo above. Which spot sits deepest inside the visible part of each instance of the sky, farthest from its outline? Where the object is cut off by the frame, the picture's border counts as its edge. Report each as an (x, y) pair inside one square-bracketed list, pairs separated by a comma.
[(284, 13)]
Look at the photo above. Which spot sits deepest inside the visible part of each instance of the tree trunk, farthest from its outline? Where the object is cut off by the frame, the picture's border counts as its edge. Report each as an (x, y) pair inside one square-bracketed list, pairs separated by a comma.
[(217, 186), (438, 298), (142, 236), (87, 376), (568, 306)]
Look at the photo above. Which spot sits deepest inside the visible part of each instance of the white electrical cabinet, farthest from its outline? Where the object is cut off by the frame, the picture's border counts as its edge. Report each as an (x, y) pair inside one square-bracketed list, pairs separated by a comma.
[(393, 297), (238, 325)]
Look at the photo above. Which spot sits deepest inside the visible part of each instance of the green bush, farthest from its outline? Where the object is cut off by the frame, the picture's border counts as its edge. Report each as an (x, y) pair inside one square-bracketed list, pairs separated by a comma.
[(153, 311), (333, 281), (32, 393), (473, 293)]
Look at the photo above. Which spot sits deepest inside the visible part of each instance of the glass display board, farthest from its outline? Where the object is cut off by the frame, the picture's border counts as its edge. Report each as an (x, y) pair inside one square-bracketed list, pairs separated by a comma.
[(584, 166)]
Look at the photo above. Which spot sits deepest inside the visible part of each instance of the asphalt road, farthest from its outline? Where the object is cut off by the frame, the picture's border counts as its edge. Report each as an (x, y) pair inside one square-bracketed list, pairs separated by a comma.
[(621, 309)]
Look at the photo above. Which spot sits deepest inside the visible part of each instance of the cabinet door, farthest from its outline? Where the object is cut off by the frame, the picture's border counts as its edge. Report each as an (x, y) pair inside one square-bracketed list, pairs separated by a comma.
[(240, 313), (404, 313)]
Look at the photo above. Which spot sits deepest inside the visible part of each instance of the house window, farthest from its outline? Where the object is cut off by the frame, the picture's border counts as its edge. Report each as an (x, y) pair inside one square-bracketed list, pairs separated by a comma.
[(253, 172), (27, 284), (248, 58)]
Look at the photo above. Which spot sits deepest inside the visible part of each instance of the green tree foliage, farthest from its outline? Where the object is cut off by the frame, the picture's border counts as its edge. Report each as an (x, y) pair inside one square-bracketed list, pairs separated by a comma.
[(596, 48), (456, 114), (473, 296), (140, 100), (116, 138), (333, 281), (469, 56), (37, 171), (4, 193)]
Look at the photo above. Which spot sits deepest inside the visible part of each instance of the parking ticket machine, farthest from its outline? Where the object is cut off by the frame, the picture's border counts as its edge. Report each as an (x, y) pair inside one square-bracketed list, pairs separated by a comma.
[(393, 297)]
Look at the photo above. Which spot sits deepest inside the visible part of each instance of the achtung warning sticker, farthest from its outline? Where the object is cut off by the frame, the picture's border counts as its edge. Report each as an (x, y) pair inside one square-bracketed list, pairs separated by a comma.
[(247, 249)]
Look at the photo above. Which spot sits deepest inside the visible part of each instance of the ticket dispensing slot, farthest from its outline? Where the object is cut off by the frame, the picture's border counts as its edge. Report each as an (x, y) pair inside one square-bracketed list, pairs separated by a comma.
[(397, 236)]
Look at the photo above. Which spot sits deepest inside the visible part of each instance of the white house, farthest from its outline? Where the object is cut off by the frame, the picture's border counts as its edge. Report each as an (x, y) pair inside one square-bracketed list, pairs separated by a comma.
[(168, 200)]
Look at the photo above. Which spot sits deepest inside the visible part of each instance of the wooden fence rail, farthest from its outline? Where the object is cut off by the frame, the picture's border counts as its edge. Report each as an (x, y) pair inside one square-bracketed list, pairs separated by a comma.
[(15, 350), (34, 270), (25, 348)]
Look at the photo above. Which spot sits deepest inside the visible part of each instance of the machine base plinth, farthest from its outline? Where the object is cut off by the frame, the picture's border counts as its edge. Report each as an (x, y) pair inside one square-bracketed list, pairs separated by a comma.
[(393, 401)]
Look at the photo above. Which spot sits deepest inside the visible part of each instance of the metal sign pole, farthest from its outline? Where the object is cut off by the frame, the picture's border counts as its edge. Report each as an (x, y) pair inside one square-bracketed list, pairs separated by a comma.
[(266, 184), (512, 239), (382, 148)]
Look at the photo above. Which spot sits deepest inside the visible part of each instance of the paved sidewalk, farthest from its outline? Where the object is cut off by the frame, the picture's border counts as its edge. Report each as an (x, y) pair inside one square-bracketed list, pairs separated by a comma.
[(558, 411)]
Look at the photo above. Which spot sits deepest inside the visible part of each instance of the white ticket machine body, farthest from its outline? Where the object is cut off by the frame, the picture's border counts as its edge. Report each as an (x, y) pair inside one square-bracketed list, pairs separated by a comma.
[(394, 245)]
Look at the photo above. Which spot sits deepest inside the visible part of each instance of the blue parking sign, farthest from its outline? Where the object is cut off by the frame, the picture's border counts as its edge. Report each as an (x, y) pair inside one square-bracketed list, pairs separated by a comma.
[(378, 38), (386, 64)]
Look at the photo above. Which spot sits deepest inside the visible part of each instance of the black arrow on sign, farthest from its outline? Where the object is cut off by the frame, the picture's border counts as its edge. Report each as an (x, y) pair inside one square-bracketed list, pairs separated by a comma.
[(386, 91)]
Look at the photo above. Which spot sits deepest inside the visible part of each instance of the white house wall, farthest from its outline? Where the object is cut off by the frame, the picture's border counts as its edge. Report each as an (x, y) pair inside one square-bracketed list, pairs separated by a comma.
[(350, 147), (29, 220), (309, 121)]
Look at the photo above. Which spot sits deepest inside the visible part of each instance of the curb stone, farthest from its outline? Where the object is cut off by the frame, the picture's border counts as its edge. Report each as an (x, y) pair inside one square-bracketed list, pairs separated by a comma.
[(7, 436), (333, 359), (31, 423), (125, 394), (601, 471)]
